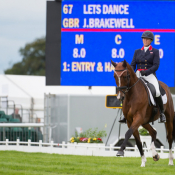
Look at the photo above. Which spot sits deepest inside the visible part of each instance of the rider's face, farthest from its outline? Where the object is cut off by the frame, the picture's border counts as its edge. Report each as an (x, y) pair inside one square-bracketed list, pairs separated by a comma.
[(146, 41)]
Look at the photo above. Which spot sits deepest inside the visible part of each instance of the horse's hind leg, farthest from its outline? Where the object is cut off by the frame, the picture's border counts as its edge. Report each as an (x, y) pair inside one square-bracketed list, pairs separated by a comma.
[(153, 134), (139, 145), (169, 127)]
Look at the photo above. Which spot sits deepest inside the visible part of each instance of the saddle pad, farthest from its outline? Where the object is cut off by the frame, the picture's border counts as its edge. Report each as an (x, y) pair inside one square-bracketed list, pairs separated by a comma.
[(164, 97)]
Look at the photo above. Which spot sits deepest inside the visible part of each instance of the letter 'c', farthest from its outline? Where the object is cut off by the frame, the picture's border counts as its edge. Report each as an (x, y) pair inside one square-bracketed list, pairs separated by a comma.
[(118, 39)]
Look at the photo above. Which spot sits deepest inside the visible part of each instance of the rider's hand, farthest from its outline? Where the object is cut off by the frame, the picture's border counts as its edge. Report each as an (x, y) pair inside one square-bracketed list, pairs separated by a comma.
[(143, 72)]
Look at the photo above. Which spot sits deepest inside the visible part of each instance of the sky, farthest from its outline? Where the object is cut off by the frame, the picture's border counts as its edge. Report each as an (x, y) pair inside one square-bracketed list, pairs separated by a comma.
[(21, 22)]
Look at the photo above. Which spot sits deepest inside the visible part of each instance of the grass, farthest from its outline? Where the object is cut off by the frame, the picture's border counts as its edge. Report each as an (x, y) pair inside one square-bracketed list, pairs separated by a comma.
[(21, 163)]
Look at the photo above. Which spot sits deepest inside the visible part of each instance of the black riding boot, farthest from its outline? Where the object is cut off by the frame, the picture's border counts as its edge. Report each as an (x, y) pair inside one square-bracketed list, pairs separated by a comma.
[(123, 120), (160, 104)]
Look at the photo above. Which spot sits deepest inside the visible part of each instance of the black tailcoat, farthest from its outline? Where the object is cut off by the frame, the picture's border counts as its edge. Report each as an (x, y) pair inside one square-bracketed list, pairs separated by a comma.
[(149, 60)]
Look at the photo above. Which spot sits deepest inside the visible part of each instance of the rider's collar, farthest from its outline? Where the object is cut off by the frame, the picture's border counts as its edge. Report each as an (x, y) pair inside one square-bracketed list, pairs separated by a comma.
[(150, 48)]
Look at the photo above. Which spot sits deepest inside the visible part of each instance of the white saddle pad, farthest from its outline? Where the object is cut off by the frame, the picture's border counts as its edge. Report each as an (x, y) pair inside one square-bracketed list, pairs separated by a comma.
[(164, 97)]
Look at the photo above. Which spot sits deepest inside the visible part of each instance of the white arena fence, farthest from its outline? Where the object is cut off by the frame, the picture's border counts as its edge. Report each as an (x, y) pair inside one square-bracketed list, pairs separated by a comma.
[(85, 149)]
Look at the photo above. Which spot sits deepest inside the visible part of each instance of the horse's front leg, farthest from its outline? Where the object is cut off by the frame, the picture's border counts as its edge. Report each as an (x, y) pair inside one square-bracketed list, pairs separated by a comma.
[(137, 120), (139, 145)]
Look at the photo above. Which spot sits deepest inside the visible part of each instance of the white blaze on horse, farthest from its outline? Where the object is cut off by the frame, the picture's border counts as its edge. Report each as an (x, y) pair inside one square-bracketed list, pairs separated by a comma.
[(138, 112)]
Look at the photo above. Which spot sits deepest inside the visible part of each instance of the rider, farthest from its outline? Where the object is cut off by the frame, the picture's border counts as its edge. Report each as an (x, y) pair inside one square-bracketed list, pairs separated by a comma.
[(147, 60)]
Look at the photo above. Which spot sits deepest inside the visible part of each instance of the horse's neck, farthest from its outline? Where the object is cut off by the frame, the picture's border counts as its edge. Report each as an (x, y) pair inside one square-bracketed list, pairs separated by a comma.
[(135, 87), (137, 91), (134, 79)]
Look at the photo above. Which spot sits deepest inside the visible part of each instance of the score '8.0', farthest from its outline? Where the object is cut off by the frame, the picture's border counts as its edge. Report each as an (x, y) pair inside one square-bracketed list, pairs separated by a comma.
[(117, 53), (79, 53)]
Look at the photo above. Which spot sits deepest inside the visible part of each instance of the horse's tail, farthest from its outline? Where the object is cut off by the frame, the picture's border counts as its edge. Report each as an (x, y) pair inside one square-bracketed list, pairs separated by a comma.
[(174, 127)]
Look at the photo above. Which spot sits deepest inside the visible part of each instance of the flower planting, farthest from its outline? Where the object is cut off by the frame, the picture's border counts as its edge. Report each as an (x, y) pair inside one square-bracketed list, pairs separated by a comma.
[(89, 136)]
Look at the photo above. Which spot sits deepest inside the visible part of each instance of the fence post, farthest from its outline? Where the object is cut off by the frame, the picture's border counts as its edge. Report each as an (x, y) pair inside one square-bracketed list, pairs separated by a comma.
[(63, 144), (40, 143), (75, 146), (135, 148), (7, 140), (162, 147), (111, 145), (29, 142), (17, 142), (51, 144)]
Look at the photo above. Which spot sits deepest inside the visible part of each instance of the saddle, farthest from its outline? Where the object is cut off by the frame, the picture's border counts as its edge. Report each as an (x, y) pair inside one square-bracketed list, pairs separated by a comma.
[(151, 92)]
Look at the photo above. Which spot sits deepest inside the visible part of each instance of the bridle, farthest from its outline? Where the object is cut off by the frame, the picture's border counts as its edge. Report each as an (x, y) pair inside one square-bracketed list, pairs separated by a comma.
[(127, 88)]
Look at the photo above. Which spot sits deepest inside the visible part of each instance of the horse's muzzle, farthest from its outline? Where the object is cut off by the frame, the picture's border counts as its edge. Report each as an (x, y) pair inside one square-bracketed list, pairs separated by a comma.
[(120, 96)]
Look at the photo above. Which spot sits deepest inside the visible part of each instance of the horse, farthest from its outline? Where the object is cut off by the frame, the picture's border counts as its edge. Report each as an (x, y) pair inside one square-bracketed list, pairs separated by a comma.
[(138, 112)]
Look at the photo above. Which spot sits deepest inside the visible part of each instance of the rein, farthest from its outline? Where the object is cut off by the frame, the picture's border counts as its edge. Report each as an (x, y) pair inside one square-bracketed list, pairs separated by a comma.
[(124, 87)]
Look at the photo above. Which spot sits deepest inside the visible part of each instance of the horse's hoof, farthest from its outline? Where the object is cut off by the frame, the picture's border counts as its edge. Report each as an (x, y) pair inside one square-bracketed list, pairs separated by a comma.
[(120, 153), (156, 157), (142, 165), (171, 163)]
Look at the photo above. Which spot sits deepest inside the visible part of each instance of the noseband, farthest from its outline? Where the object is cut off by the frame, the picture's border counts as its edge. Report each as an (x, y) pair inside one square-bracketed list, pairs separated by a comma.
[(127, 88)]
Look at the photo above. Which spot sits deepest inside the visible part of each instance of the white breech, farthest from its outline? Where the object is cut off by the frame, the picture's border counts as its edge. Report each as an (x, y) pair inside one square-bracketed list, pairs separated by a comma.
[(151, 79)]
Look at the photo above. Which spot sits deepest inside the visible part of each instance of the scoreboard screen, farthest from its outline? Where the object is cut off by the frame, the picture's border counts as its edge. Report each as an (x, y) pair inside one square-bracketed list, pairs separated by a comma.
[(94, 32)]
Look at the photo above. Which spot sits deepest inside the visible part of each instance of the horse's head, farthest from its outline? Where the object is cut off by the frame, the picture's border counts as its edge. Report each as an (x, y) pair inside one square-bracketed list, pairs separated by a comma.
[(122, 77)]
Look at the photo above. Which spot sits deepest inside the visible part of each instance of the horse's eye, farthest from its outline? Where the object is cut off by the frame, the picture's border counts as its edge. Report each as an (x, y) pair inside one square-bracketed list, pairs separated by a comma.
[(124, 77)]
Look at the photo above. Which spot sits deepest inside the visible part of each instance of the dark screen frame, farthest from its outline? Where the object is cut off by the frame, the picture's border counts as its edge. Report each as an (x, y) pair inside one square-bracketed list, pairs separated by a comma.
[(53, 43)]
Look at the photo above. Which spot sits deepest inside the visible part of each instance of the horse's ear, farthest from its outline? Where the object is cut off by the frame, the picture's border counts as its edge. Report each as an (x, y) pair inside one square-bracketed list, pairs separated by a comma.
[(124, 63), (113, 63)]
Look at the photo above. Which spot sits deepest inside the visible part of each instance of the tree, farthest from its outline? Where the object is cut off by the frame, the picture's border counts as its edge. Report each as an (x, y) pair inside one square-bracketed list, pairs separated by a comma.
[(33, 59)]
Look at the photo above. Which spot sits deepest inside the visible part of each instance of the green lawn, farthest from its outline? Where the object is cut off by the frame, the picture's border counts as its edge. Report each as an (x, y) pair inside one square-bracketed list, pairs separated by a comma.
[(12, 162)]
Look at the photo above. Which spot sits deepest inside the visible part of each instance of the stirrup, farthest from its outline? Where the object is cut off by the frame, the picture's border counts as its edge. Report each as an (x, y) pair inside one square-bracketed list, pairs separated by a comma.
[(162, 118), (123, 120)]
